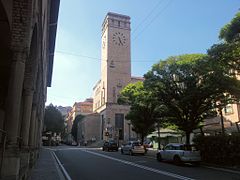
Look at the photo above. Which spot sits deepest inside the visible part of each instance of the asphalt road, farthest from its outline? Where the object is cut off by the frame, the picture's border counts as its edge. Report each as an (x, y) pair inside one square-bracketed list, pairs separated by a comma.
[(94, 164)]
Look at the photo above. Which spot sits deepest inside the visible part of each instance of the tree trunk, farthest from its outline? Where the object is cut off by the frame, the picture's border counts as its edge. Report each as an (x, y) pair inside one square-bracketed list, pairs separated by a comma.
[(222, 122), (187, 138), (201, 130), (142, 138), (159, 142)]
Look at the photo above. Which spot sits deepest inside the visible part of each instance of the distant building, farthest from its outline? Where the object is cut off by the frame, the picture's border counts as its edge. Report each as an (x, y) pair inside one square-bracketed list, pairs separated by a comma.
[(89, 129), (64, 110), (83, 108), (231, 121)]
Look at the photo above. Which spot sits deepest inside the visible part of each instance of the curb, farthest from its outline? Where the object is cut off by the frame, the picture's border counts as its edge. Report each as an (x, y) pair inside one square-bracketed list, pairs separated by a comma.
[(63, 171), (203, 164)]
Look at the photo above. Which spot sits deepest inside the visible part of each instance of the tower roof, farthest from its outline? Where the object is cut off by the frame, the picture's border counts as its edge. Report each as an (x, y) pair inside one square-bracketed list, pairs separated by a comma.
[(116, 16)]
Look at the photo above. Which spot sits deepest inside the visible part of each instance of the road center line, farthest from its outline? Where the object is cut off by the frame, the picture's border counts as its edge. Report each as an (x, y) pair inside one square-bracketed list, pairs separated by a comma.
[(140, 166)]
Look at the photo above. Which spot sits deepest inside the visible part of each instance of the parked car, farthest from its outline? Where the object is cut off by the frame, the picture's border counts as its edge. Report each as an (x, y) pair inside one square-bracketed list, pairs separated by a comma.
[(179, 153), (110, 146), (148, 144), (133, 147)]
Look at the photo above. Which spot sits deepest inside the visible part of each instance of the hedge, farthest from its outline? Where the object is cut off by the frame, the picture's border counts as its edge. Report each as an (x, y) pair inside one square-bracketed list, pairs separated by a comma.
[(219, 149)]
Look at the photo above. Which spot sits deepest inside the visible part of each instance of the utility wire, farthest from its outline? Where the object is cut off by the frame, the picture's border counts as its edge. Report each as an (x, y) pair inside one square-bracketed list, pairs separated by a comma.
[(153, 19), (109, 59), (149, 14)]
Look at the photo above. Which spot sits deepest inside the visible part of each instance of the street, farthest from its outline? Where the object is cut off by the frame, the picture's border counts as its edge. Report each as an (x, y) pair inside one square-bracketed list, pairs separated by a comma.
[(93, 164)]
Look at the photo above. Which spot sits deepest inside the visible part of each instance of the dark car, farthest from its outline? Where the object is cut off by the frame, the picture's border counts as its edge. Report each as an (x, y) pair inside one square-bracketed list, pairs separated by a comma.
[(110, 146)]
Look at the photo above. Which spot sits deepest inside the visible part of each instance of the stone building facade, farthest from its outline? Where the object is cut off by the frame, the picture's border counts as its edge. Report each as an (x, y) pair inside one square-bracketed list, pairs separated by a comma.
[(88, 129), (231, 121), (115, 75), (27, 42), (83, 108)]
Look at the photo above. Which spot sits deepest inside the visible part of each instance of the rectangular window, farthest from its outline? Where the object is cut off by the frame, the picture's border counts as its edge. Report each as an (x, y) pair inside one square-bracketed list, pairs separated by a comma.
[(119, 125), (228, 109)]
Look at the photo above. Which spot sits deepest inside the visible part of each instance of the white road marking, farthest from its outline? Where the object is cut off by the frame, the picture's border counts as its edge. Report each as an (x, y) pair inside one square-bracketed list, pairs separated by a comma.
[(140, 166), (61, 166), (149, 157)]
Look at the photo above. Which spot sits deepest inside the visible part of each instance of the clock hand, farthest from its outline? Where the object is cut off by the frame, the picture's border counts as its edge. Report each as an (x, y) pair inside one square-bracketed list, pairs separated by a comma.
[(120, 41)]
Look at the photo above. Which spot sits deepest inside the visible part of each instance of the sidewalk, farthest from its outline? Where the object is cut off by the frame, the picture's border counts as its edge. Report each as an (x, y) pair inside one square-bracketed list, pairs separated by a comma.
[(46, 167)]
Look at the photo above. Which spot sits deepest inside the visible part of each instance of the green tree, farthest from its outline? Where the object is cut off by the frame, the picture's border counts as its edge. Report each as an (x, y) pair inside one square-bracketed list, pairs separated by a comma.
[(74, 130), (53, 120), (224, 58), (188, 87), (227, 53), (144, 110), (231, 31)]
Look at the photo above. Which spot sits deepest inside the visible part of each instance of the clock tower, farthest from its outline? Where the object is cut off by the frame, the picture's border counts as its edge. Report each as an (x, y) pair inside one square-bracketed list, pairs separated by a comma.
[(116, 64), (115, 75)]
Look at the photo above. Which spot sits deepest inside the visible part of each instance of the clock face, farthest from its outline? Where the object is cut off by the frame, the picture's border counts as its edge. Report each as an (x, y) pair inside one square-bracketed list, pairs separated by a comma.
[(119, 39)]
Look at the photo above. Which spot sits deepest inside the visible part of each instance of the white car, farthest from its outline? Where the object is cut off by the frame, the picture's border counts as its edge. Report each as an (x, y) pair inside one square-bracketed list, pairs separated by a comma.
[(133, 147), (179, 153)]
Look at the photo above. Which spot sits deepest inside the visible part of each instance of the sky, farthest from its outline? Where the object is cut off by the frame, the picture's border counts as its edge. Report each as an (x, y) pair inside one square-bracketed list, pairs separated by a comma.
[(159, 29)]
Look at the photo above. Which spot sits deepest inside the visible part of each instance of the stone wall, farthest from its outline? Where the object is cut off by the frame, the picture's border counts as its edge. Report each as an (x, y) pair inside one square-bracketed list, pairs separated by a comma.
[(25, 72)]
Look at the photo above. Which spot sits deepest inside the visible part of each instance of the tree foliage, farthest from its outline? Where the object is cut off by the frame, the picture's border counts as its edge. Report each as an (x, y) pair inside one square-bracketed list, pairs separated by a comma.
[(74, 130), (227, 53), (53, 120), (144, 110), (231, 31), (189, 87)]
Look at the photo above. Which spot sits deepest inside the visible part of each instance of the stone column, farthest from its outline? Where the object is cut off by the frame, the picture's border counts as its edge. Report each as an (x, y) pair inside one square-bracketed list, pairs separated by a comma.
[(32, 127), (14, 97), (25, 126), (27, 98), (31, 135)]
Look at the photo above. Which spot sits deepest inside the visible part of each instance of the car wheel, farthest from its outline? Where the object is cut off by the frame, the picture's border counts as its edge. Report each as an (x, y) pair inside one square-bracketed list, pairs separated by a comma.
[(177, 160), (159, 157)]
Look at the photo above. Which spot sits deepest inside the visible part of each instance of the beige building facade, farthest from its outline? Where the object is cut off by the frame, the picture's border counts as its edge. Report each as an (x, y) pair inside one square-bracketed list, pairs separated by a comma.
[(231, 121), (89, 129), (27, 42), (115, 74), (83, 108)]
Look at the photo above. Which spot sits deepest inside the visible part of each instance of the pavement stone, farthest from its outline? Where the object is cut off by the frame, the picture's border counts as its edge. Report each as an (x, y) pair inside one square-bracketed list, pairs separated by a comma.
[(46, 167)]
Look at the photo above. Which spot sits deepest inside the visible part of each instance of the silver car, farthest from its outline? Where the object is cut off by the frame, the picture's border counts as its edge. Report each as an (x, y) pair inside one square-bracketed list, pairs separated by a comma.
[(132, 147), (179, 153)]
